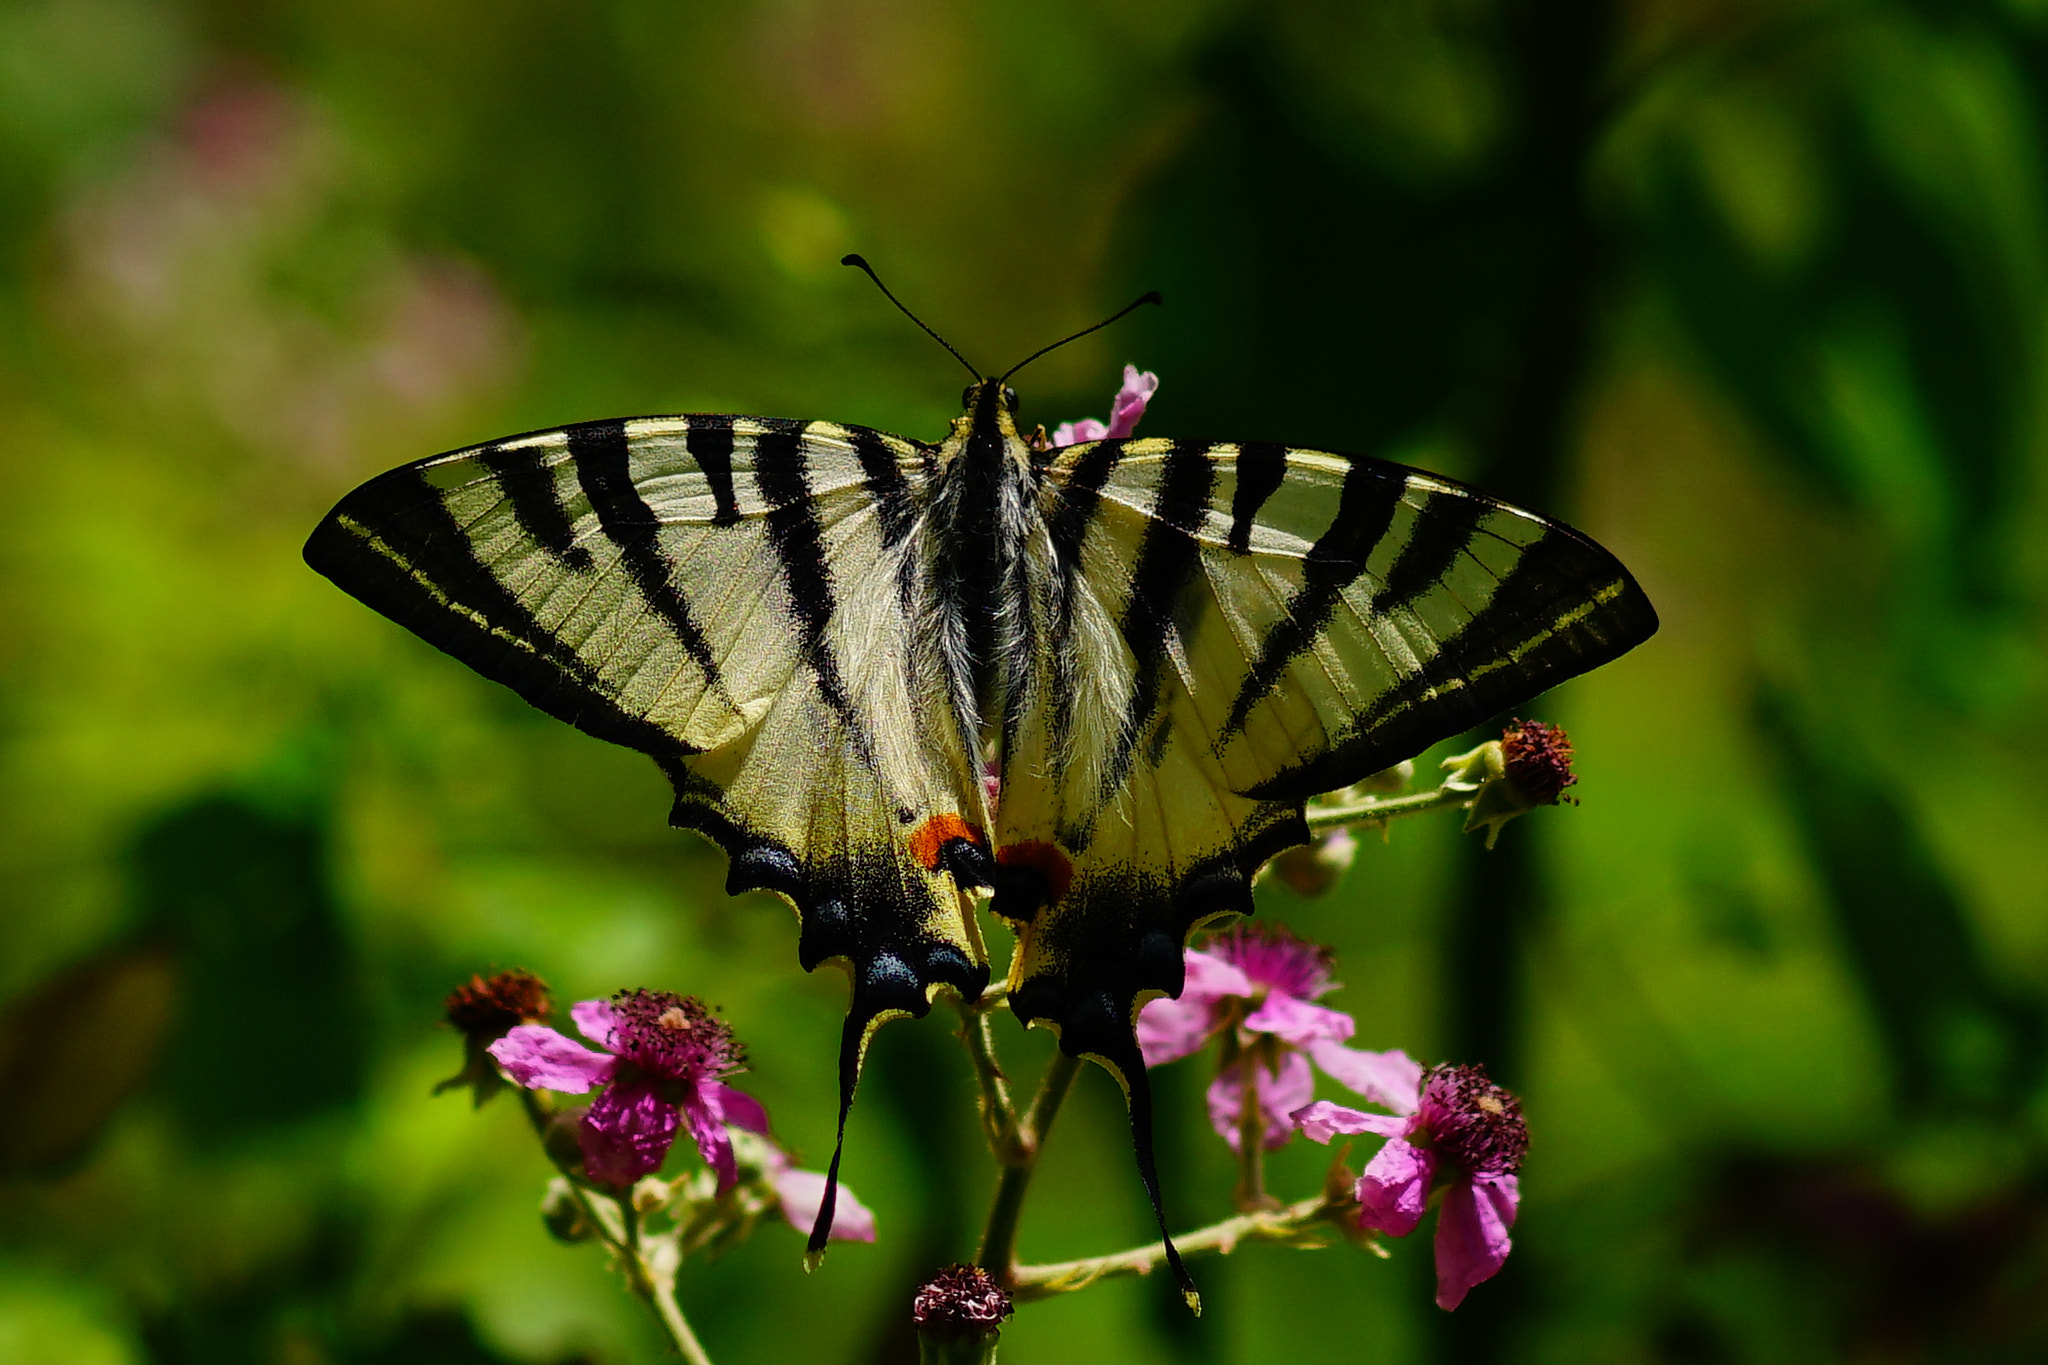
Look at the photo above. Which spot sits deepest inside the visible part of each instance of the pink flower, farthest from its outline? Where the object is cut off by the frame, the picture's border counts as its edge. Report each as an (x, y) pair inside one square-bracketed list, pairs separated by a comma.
[(1124, 411), (1457, 1131), (663, 1065), (1261, 983)]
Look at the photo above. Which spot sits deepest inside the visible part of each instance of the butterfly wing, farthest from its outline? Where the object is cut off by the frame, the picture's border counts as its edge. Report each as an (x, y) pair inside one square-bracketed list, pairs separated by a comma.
[(1225, 631), (733, 596)]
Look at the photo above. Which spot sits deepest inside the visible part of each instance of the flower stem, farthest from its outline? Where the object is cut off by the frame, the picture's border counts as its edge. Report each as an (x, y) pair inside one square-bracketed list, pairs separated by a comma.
[(998, 1109), (1293, 1223), (1323, 819), (653, 1277), (1251, 1139), (662, 1294), (998, 1252), (617, 1224)]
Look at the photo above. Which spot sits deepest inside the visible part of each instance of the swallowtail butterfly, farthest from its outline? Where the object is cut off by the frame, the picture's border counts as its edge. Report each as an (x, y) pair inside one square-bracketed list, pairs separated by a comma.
[(1098, 681)]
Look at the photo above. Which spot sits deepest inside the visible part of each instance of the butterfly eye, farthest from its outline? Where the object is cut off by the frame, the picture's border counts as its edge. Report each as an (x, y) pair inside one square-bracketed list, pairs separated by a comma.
[(967, 395), (1009, 398)]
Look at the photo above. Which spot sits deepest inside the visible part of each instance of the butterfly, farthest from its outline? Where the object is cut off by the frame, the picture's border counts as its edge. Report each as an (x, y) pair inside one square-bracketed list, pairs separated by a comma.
[(1097, 682)]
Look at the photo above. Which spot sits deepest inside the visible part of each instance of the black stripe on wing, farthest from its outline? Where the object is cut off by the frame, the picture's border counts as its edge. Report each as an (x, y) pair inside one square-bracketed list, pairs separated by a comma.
[(798, 538), (1168, 558), (1079, 498), (1440, 533), (709, 440), (602, 455), (394, 546), (1371, 494), (528, 477), (886, 484), (1261, 468), (1566, 606)]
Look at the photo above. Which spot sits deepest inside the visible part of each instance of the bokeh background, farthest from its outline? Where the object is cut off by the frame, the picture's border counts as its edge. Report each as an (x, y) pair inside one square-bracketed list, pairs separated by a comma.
[(1752, 290)]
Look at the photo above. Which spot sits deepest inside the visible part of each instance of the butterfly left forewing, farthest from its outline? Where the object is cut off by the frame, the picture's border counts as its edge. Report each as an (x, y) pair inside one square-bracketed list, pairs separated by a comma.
[(738, 598)]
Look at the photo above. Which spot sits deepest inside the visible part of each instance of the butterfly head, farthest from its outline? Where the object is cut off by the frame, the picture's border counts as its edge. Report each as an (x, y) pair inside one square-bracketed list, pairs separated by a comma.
[(987, 397), (988, 417)]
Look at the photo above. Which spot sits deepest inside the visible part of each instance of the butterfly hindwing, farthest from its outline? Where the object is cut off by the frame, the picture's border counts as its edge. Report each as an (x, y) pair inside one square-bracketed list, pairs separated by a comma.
[(736, 597)]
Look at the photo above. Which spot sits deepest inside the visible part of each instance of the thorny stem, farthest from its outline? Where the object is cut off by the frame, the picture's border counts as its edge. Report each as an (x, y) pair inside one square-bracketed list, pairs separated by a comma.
[(1292, 1223), (1323, 819), (999, 1242)]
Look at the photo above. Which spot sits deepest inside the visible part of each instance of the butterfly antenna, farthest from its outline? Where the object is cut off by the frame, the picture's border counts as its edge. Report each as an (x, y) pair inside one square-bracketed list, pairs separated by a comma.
[(1131, 307), (855, 259)]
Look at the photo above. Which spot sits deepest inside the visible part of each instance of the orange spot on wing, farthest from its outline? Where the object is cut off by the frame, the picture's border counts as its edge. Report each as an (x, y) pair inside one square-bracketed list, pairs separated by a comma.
[(1046, 860), (931, 838)]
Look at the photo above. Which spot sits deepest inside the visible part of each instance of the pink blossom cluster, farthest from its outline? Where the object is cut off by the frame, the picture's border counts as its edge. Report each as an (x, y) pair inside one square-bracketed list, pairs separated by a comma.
[(1450, 1132)]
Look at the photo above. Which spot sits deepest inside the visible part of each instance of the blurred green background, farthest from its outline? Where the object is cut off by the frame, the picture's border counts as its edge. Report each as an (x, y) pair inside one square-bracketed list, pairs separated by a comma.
[(1752, 290)]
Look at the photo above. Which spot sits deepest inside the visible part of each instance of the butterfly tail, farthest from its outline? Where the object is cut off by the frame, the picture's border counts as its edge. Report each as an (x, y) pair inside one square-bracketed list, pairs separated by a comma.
[(852, 1043), (1138, 1087)]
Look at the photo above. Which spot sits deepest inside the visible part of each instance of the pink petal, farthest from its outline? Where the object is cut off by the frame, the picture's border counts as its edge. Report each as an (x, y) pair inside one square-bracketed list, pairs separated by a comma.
[(803, 1194), (1129, 404), (740, 1109), (1323, 1120), (1209, 977), (1280, 1094), (1169, 1030), (597, 1021), (1297, 1022), (1394, 1190), (539, 1058), (1392, 1079), (627, 1133), (1472, 1234), (707, 1127), (1073, 433)]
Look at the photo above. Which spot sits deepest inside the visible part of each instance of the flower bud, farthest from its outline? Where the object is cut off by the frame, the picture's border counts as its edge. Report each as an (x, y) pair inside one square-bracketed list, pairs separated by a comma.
[(957, 1313), (1530, 765), (1313, 868), (1538, 759), (561, 1212), (484, 1011)]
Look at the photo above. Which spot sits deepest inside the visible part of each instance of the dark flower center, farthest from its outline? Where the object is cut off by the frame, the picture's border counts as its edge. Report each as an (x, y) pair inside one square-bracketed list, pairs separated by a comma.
[(1474, 1122), (491, 1008), (960, 1301), (1274, 959), (673, 1037), (1538, 759)]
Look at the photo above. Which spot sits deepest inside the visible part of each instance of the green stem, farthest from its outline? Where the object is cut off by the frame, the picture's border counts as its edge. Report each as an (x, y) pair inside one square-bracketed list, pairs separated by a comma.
[(1028, 1283), (1323, 819), (662, 1295), (998, 1109), (1251, 1136), (617, 1224), (998, 1252), (656, 1283)]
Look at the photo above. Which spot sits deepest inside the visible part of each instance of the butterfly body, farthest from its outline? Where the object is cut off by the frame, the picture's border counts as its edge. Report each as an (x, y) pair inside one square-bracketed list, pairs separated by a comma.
[(1099, 681)]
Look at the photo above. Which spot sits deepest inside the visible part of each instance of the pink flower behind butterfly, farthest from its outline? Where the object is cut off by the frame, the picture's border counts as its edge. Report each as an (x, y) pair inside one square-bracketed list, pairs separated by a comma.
[(1124, 411), (1262, 982)]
